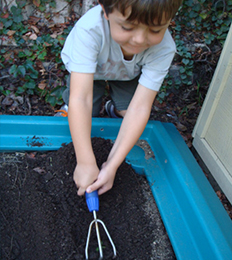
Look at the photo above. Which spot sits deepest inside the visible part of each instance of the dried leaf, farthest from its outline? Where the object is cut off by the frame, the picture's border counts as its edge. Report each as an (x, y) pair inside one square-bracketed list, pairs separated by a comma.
[(5, 16), (33, 20), (192, 106), (11, 33), (31, 155), (42, 71), (42, 85), (39, 170), (181, 127), (46, 44), (36, 3), (54, 35), (35, 29), (33, 37)]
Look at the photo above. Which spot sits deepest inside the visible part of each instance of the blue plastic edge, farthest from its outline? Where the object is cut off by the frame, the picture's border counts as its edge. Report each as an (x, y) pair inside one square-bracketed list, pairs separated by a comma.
[(197, 224)]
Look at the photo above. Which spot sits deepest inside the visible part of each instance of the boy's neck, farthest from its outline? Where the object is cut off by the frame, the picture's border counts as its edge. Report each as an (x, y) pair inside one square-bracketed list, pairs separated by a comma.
[(128, 57)]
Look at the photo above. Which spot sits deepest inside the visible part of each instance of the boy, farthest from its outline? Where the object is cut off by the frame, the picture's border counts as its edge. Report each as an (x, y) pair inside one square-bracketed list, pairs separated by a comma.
[(125, 42)]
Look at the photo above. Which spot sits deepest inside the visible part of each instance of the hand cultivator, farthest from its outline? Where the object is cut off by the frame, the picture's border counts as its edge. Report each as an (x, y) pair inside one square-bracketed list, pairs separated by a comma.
[(92, 201)]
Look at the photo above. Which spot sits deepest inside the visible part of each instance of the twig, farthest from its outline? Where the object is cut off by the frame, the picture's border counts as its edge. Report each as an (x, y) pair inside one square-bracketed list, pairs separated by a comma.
[(224, 7), (16, 176), (4, 77), (29, 106)]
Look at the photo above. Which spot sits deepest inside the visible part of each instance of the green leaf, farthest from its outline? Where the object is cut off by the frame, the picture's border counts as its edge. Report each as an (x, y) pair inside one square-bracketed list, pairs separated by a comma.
[(51, 100), (218, 31), (183, 76), (57, 92), (42, 8), (52, 4), (21, 54), (189, 73), (8, 23), (178, 28), (21, 3), (185, 61), (161, 95), (34, 74), (42, 55), (6, 92), (30, 91), (20, 90), (196, 7), (29, 65), (31, 85), (182, 70), (178, 82), (17, 14), (13, 69), (203, 15), (21, 70), (192, 14), (28, 53), (170, 82)]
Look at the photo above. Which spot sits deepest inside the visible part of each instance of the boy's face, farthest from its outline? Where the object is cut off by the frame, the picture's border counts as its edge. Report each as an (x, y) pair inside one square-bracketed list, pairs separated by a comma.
[(134, 37)]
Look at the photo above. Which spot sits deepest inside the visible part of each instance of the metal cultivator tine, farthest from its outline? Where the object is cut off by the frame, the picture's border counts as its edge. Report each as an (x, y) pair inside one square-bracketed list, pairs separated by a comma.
[(93, 206)]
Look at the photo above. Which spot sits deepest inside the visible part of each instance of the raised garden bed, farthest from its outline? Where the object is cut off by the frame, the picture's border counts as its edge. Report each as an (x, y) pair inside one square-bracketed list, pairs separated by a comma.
[(43, 218), (196, 222)]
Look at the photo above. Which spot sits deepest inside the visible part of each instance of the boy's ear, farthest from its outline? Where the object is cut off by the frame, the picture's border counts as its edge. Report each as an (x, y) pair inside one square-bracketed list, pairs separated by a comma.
[(103, 9)]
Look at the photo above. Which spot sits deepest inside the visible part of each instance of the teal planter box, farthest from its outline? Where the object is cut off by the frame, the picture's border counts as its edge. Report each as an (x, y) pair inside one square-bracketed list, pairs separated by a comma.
[(197, 224)]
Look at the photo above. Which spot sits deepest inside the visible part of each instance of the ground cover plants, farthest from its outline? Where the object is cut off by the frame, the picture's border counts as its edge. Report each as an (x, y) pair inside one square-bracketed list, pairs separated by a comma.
[(33, 77), (31, 55)]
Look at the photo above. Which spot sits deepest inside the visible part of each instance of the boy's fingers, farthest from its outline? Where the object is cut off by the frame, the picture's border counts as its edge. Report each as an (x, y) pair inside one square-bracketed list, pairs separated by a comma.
[(81, 192), (100, 187), (95, 186), (102, 190)]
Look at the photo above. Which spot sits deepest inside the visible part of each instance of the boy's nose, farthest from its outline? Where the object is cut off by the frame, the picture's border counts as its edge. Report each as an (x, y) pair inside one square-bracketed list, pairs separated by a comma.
[(139, 37)]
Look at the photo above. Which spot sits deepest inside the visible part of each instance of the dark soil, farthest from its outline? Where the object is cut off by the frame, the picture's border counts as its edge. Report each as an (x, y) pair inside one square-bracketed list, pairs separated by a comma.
[(173, 110), (43, 218)]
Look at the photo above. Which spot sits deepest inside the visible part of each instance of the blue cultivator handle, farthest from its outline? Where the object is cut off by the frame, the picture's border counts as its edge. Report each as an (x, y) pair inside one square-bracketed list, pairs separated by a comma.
[(92, 201)]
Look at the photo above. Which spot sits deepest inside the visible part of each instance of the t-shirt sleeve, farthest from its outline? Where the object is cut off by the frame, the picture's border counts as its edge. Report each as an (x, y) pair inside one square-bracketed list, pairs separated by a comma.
[(157, 63), (80, 51)]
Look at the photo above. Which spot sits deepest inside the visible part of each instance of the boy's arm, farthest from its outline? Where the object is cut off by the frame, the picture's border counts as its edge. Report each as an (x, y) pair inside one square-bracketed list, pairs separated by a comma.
[(131, 129), (79, 117)]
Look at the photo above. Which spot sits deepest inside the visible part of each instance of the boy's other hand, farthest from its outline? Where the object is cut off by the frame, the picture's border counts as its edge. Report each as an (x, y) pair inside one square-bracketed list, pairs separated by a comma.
[(104, 181), (84, 175)]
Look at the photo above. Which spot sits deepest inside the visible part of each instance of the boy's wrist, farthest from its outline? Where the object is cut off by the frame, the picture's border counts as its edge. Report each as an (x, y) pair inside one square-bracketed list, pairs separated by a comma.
[(86, 161), (112, 164)]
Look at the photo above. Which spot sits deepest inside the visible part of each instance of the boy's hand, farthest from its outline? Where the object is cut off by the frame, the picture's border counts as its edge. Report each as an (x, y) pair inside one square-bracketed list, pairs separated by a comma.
[(84, 175), (104, 181)]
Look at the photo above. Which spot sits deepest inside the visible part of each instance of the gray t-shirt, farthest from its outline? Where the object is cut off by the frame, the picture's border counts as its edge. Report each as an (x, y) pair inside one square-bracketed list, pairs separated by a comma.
[(89, 48)]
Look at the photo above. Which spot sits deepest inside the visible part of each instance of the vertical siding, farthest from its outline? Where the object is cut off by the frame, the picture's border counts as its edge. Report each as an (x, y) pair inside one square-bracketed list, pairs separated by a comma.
[(219, 134), (213, 131)]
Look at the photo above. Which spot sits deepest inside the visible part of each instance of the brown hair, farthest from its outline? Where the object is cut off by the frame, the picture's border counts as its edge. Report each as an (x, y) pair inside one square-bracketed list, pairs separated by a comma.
[(144, 11)]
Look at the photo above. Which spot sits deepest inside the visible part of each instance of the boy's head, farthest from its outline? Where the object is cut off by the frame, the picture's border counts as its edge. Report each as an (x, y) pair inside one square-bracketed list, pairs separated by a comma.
[(143, 11), (137, 25)]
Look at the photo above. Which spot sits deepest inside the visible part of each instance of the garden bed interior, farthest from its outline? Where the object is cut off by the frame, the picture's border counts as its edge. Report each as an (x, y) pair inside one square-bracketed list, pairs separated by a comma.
[(196, 222)]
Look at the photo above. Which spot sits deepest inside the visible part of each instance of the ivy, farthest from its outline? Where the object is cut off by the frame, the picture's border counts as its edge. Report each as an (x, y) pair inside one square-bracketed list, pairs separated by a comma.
[(210, 20), (25, 63), (36, 61)]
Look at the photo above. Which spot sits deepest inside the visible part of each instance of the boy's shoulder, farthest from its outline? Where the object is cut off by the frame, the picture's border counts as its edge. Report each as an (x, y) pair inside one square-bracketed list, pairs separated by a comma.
[(168, 40), (167, 45), (91, 18)]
